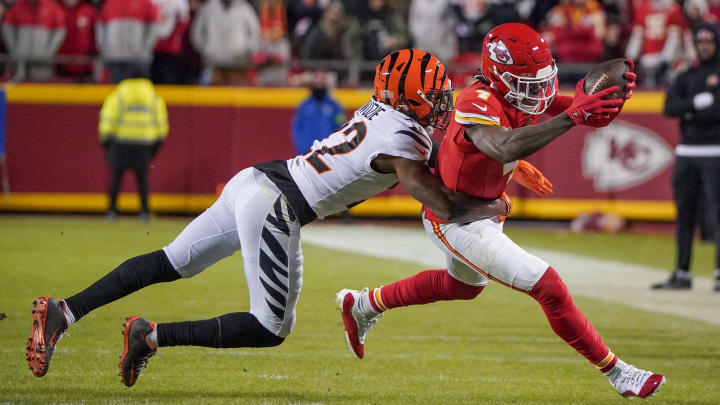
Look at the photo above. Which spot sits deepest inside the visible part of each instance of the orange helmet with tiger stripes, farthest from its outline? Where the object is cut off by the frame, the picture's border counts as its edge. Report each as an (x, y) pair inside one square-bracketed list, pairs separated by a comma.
[(415, 83)]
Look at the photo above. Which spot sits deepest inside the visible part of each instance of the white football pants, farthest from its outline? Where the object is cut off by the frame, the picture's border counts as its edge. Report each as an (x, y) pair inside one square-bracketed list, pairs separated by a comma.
[(479, 251), (253, 214)]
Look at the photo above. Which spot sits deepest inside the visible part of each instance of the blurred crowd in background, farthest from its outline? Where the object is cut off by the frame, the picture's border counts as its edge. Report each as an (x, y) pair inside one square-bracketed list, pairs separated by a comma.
[(272, 42)]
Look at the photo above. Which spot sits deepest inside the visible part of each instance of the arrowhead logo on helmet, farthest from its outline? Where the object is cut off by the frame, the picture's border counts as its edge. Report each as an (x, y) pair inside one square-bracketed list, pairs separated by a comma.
[(499, 52)]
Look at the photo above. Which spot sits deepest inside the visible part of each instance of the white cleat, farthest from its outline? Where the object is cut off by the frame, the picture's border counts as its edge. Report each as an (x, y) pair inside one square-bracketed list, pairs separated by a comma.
[(357, 324), (630, 381)]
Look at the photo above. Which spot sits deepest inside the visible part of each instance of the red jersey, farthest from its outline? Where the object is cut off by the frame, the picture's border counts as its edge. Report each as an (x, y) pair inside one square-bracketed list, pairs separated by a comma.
[(460, 164), (656, 24)]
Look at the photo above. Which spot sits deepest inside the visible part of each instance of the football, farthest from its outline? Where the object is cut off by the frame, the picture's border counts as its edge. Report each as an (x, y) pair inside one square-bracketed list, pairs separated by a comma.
[(607, 74)]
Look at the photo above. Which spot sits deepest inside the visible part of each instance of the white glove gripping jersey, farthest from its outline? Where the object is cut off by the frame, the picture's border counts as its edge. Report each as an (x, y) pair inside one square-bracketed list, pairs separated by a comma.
[(336, 173)]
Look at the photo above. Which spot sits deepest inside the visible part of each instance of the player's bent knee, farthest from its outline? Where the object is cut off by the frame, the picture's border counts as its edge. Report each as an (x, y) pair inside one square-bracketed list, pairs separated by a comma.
[(550, 289), (457, 290)]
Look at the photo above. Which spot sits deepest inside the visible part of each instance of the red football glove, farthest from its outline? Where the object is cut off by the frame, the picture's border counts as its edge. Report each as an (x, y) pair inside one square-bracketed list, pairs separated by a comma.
[(585, 106), (531, 178), (631, 77), (508, 203)]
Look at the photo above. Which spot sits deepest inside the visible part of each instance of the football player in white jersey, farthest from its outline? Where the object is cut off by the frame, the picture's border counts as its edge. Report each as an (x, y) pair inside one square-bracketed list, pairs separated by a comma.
[(261, 210)]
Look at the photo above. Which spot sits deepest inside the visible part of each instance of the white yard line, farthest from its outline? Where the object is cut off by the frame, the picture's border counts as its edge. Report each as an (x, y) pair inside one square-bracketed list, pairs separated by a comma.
[(606, 280)]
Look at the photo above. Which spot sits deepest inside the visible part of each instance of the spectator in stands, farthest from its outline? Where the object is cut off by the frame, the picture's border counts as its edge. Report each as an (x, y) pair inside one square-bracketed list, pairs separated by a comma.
[(616, 21), (133, 125), (714, 9), (697, 12), (335, 37), (191, 60), (429, 25), (475, 18), (317, 116), (302, 16), (80, 19), (274, 49), (226, 33), (383, 30), (656, 38), (167, 64), (33, 30), (575, 30), (126, 34)]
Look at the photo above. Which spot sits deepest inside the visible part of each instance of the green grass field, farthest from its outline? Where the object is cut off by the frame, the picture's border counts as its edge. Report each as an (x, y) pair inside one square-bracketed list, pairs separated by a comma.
[(495, 349)]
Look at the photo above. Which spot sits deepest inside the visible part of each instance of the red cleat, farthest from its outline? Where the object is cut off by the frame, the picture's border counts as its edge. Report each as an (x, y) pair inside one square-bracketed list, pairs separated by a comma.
[(357, 324)]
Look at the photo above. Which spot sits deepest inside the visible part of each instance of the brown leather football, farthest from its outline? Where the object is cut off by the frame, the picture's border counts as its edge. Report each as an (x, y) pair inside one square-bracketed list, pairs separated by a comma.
[(607, 74)]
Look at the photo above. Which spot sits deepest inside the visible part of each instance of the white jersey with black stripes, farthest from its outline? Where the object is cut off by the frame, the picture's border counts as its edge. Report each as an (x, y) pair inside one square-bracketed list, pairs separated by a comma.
[(337, 171)]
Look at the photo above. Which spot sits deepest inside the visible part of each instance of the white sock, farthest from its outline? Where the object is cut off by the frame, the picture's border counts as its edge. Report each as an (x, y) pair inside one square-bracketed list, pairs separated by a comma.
[(364, 304), (69, 317), (152, 338)]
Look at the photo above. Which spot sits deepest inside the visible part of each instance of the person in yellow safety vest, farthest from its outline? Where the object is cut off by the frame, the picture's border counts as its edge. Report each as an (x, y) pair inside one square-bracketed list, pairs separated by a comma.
[(133, 125)]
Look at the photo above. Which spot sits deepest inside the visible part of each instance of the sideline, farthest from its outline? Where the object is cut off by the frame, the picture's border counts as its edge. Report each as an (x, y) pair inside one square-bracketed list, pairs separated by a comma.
[(605, 280)]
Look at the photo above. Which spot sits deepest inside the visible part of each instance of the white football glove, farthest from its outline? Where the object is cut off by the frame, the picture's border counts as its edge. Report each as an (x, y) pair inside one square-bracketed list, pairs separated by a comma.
[(703, 100)]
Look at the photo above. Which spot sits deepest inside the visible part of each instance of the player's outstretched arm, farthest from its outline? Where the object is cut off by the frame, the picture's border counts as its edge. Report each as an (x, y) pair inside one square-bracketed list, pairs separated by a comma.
[(507, 145), (428, 189)]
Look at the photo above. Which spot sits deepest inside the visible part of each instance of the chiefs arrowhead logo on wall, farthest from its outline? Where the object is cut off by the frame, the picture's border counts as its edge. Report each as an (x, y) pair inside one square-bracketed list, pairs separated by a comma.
[(621, 156), (499, 52)]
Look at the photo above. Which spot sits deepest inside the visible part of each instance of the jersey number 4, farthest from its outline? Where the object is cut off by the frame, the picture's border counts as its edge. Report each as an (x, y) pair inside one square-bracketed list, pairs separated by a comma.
[(316, 161)]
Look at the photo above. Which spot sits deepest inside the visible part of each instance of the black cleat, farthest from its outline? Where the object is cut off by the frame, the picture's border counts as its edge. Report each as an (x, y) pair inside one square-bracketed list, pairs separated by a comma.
[(679, 280), (137, 350), (49, 326)]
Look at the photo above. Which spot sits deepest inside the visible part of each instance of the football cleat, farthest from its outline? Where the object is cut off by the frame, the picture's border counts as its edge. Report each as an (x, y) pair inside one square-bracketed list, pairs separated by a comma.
[(630, 381), (137, 350), (49, 326), (357, 324), (716, 286), (679, 280)]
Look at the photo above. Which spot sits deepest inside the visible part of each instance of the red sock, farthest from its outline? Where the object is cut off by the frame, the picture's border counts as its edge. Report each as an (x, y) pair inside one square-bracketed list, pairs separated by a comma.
[(423, 288), (568, 322)]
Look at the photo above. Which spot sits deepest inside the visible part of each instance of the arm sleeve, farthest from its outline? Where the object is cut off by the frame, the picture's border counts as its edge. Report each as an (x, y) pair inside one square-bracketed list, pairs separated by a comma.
[(677, 102)]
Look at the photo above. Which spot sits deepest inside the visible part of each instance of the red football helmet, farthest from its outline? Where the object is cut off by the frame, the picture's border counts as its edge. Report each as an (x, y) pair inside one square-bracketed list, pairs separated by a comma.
[(517, 61)]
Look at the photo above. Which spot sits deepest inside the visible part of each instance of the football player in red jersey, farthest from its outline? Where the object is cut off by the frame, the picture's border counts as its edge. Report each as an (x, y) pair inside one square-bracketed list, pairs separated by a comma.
[(492, 129)]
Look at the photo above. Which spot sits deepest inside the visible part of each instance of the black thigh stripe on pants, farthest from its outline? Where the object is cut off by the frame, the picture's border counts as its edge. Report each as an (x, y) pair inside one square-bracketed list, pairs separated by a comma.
[(274, 259)]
